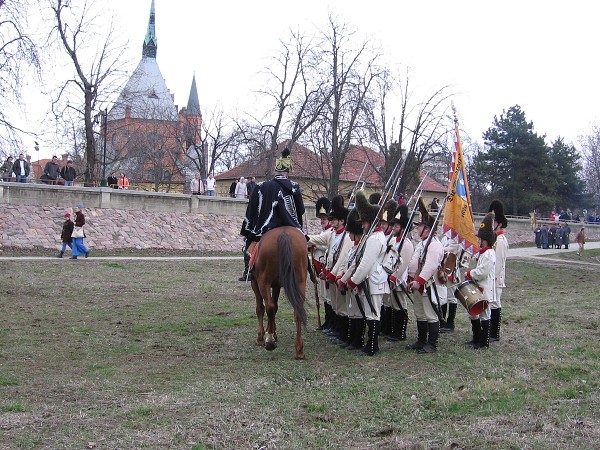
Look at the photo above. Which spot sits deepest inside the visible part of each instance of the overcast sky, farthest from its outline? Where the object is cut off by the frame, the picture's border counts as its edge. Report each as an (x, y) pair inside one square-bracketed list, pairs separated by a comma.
[(541, 55)]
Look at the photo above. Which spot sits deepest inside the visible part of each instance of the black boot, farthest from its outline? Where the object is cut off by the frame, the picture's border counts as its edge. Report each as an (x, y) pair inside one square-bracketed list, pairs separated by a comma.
[(60, 255), (444, 309), (327, 324), (351, 332), (432, 339), (342, 339), (359, 335), (421, 336), (484, 341), (371, 346), (495, 324), (403, 324), (449, 328), (385, 317), (476, 328), (395, 326)]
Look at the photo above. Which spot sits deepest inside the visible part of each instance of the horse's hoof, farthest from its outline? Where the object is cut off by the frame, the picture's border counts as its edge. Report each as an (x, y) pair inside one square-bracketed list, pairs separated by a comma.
[(270, 346), (260, 342), (301, 356)]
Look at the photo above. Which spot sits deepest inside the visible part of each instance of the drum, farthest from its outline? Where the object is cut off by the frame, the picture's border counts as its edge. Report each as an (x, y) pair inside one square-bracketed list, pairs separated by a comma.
[(471, 298)]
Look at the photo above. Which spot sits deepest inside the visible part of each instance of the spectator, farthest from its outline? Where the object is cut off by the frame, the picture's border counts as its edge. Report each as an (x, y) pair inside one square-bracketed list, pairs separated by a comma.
[(112, 181), (21, 169), (123, 182), (538, 236), (233, 186), (433, 206), (544, 236), (211, 185), (77, 245), (51, 171), (580, 239), (241, 191), (6, 171), (65, 235), (68, 173), (196, 185), (251, 185), (566, 240)]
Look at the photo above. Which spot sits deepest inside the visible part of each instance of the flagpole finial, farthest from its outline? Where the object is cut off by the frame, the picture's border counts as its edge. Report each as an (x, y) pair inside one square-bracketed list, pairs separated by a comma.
[(454, 112)]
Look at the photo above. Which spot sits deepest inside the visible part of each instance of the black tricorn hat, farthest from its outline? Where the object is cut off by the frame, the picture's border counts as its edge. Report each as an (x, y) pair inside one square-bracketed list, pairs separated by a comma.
[(486, 229), (322, 207), (388, 210), (426, 219), (337, 208), (353, 225), (498, 209), (367, 212), (401, 216)]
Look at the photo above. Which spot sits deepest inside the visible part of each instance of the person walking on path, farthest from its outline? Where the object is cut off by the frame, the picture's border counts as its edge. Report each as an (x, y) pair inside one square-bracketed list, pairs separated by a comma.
[(580, 239), (65, 235), (78, 247)]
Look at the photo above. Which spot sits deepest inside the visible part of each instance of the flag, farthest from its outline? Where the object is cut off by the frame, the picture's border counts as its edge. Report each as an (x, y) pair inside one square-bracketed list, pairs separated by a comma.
[(458, 215)]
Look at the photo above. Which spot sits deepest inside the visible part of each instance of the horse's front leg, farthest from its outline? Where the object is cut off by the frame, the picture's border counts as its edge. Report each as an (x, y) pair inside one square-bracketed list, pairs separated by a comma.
[(260, 313), (271, 307)]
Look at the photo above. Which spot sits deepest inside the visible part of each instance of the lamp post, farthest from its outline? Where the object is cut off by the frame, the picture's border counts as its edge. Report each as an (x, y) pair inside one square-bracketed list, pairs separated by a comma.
[(103, 182)]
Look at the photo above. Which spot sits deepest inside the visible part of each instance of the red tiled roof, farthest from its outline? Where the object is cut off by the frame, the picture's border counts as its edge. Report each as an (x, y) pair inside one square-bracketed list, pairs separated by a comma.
[(310, 165)]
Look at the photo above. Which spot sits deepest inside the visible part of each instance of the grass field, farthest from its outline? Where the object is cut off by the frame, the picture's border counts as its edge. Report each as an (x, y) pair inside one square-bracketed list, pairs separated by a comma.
[(146, 354)]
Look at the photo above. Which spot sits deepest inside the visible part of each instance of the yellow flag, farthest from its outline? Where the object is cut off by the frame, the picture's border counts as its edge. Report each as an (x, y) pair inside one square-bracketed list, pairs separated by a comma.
[(458, 215)]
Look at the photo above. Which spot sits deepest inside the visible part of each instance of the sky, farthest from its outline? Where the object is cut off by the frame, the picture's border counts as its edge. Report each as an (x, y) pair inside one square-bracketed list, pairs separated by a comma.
[(541, 55)]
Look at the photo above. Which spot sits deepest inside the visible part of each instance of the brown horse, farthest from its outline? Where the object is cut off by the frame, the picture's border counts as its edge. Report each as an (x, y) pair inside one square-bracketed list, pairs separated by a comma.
[(281, 261)]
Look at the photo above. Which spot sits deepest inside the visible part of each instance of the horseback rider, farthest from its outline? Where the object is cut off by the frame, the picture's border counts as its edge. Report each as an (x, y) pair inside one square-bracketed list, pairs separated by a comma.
[(274, 203)]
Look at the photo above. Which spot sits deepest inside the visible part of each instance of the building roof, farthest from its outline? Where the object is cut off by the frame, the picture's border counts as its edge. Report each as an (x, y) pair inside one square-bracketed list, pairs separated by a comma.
[(146, 95), (193, 105)]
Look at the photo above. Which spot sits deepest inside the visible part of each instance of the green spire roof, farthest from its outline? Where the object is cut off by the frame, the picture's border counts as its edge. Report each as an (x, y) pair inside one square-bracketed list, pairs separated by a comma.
[(149, 47)]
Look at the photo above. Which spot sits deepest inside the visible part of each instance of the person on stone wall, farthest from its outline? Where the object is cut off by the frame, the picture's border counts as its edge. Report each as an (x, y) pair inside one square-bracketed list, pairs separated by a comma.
[(241, 191), (123, 181), (68, 173), (51, 171), (211, 185), (21, 169), (65, 235), (196, 185), (112, 181), (6, 171), (232, 187)]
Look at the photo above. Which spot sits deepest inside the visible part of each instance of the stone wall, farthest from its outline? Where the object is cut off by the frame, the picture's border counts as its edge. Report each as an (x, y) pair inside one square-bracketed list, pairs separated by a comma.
[(32, 216)]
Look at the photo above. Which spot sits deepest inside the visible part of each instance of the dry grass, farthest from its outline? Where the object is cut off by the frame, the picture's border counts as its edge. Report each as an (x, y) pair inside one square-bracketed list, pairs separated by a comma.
[(99, 354)]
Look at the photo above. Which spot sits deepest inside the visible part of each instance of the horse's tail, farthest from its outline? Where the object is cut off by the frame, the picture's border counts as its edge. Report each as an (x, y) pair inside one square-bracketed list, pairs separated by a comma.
[(287, 276)]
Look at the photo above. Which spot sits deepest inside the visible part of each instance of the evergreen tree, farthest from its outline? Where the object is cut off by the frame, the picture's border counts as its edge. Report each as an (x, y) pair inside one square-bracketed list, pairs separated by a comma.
[(570, 185), (516, 166)]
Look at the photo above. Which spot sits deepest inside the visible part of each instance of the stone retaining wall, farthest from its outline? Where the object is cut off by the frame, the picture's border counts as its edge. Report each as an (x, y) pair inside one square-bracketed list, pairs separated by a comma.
[(32, 216)]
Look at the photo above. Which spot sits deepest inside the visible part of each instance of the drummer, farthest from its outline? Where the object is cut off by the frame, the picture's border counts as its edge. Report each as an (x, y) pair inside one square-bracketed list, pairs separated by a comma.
[(484, 275)]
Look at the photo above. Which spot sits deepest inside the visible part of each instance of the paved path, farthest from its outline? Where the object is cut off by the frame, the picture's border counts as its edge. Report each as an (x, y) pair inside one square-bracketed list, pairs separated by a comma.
[(522, 252)]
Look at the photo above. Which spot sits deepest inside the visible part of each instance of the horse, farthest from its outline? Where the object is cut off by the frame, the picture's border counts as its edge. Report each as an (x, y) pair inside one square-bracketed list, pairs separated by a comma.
[(281, 260)]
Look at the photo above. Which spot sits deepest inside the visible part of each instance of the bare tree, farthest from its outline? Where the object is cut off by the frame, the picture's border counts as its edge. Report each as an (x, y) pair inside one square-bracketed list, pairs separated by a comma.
[(95, 59), (590, 147), (16, 49), (418, 130)]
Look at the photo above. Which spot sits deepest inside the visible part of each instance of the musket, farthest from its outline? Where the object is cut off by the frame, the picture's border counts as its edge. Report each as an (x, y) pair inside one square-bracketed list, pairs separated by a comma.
[(317, 301)]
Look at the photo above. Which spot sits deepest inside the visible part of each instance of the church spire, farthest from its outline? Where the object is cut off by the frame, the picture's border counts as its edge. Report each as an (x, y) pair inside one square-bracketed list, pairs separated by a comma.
[(149, 47), (193, 106)]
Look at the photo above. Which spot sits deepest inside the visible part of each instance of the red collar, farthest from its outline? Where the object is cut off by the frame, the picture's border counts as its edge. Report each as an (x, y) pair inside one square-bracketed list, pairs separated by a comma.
[(340, 231), (398, 238), (498, 233), (377, 229), (327, 227), (484, 249)]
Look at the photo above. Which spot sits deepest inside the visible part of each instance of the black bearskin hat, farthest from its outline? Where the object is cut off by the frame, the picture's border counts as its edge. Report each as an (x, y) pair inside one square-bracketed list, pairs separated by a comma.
[(322, 207), (354, 225), (498, 208), (337, 208), (367, 212), (388, 210), (284, 164), (426, 219), (374, 198), (401, 216), (486, 229)]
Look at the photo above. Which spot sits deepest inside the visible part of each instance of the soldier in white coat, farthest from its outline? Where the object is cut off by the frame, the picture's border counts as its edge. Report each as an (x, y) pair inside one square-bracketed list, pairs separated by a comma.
[(386, 224), (484, 275), (369, 279), (422, 272), (399, 277), (317, 252), (501, 249)]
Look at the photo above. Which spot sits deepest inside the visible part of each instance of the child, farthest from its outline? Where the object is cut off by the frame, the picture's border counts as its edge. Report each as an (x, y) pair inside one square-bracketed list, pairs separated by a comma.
[(65, 235)]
